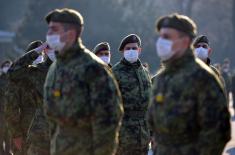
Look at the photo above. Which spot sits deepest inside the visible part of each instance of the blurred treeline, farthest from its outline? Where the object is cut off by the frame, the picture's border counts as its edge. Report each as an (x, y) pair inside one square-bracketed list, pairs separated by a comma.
[(111, 20)]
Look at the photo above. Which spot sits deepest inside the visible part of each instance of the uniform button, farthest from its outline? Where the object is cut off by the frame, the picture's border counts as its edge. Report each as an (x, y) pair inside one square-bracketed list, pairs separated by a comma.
[(159, 98), (56, 93)]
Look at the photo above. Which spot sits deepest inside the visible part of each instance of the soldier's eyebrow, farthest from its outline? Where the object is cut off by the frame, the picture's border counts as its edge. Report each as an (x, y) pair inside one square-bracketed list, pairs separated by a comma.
[(166, 36), (204, 45), (53, 27), (104, 53)]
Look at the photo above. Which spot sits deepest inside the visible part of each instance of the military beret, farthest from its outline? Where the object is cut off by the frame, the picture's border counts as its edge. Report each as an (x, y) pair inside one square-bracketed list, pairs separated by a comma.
[(33, 45), (132, 38), (103, 46), (179, 22), (65, 16), (201, 39)]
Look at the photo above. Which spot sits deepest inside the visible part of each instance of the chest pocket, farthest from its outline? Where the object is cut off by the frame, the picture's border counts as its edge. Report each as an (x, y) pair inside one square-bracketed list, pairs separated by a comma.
[(73, 100), (128, 82), (176, 109), (146, 81)]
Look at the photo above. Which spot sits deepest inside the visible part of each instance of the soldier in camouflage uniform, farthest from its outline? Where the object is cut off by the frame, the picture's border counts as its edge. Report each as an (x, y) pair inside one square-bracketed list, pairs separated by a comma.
[(226, 73), (19, 109), (82, 99), (4, 137), (25, 95), (102, 50), (134, 82), (203, 51), (188, 113), (38, 138)]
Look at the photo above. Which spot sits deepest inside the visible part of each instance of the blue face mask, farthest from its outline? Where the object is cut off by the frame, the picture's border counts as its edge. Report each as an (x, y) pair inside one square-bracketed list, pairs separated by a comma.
[(201, 53), (106, 59), (5, 69), (54, 42), (164, 49), (131, 55)]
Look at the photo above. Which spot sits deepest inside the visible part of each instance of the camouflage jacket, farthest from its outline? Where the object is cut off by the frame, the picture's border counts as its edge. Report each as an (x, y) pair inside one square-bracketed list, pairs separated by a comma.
[(25, 96), (135, 84), (83, 102), (228, 80), (38, 137), (188, 112), (217, 72), (3, 87)]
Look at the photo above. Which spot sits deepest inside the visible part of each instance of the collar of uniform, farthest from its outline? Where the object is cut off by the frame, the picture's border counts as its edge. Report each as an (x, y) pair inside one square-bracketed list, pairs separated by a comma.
[(135, 64), (178, 63), (110, 65), (72, 51), (208, 61)]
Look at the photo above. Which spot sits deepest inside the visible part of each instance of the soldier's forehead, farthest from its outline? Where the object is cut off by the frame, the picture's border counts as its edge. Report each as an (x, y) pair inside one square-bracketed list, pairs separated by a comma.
[(168, 30), (55, 24), (202, 43), (104, 51), (131, 45)]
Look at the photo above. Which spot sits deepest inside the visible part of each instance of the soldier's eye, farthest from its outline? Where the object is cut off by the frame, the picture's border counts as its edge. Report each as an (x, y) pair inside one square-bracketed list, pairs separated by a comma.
[(134, 48), (204, 46), (165, 36)]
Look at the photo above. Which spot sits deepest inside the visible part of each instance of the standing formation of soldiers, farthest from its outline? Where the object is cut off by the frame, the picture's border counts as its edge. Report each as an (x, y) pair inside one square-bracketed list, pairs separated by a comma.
[(60, 98)]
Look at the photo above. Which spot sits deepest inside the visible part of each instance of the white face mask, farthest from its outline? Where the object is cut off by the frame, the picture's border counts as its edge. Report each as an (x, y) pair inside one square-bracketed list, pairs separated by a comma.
[(38, 60), (54, 42), (106, 59), (131, 55), (226, 70), (51, 55), (201, 53), (164, 49), (5, 69)]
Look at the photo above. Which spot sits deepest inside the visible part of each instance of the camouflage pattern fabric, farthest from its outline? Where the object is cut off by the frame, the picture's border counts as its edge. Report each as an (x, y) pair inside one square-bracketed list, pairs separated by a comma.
[(25, 97), (135, 83), (83, 104), (188, 113)]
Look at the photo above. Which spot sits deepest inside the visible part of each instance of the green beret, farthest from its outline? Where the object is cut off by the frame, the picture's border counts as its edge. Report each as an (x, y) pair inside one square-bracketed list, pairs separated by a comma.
[(65, 16), (33, 45), (103, 46), (132, 38), (179, 22), (201, 39)]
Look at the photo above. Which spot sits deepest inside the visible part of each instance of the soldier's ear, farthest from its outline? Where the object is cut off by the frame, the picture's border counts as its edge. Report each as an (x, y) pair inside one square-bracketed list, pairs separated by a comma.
[(140, 50), (72, 34), (188, 41), (209, 51)]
